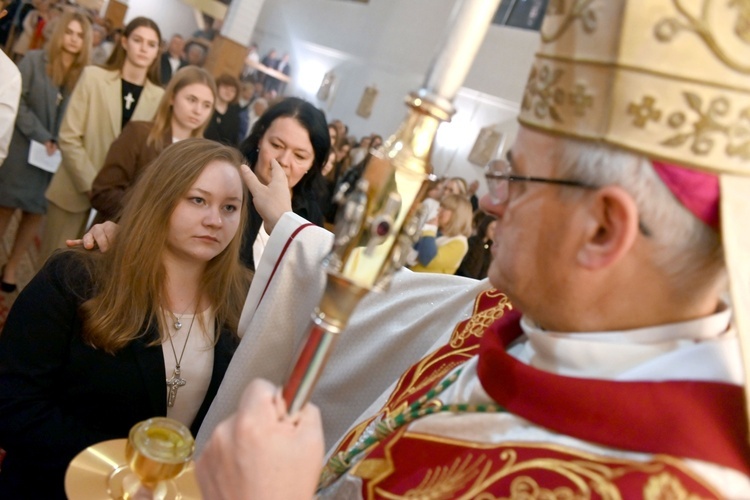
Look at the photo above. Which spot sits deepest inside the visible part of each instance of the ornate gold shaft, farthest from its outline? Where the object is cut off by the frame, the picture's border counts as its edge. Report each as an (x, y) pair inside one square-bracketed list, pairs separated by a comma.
[(378, 225)]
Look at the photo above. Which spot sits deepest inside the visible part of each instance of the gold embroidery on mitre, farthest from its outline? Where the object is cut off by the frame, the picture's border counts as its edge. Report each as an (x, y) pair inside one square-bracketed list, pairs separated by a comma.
[(579, 10), (699, 23), (664, 78), (666, 487)]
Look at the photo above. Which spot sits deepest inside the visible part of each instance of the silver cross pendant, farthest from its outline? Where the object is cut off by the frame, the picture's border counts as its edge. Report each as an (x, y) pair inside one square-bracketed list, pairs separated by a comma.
[(173, 384)]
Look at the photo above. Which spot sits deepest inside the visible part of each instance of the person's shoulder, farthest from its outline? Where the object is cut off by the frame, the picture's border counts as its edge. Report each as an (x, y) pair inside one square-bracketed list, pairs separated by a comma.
[(138, 126), (94, 72), (36, 56)]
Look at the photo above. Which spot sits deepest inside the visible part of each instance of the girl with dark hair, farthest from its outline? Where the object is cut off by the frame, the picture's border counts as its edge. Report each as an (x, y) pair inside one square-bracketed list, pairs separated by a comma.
[(183, 112), (48, 77), (294, 133), (82, 361), (102, 103)]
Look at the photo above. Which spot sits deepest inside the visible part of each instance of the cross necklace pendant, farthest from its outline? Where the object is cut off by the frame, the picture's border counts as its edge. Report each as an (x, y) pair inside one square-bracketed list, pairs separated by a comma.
[(173, 384), (176, 381), (129, 100)]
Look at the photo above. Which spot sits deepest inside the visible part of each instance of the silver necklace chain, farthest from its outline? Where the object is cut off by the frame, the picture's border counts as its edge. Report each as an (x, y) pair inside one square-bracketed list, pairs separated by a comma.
[(176, 381)]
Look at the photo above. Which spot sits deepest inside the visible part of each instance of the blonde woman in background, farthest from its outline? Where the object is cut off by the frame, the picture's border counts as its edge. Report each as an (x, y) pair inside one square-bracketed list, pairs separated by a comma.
[(183, 112), (444, 240), (48, 77)]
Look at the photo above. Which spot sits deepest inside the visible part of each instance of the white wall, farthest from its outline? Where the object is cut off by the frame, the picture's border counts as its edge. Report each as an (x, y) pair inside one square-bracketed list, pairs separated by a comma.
[(172, 16)]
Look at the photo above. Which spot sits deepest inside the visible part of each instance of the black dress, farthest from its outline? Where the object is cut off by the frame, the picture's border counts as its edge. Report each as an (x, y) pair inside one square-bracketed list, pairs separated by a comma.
[(224, 128)]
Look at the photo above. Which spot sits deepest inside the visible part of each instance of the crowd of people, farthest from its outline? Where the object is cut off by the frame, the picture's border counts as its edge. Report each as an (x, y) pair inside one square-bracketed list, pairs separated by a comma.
[(601, 355)]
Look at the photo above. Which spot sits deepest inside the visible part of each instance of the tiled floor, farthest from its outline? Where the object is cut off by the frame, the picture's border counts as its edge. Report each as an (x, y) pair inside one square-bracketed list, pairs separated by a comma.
[(25, 272)]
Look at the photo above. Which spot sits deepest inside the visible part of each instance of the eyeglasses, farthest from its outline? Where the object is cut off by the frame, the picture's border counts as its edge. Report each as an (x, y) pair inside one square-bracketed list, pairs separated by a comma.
[(499, 178)]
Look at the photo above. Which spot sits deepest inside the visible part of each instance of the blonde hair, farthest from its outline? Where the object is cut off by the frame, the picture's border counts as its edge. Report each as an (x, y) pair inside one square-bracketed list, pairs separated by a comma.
[(461, 218), (163, 118), (130, 278), (58, 73)]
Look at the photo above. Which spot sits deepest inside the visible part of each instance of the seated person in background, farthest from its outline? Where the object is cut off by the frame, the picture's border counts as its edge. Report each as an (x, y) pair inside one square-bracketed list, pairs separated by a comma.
[(455, 185), (444, 243), (90, 342), (224, 125), (195, 52), (183, 112), (618, 371), (477, 260)]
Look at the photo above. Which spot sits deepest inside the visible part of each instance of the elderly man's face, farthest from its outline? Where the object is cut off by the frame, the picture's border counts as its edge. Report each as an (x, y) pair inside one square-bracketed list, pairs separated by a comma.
[(533, 241), (176, 45)]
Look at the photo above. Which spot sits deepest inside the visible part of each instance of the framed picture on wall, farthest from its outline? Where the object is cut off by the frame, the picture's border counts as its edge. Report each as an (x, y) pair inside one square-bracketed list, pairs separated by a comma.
[(527, 14)]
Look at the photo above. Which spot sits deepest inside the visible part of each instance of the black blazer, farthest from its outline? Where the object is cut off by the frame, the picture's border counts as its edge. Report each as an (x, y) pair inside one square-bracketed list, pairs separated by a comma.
[(166, 68), (59, 395)]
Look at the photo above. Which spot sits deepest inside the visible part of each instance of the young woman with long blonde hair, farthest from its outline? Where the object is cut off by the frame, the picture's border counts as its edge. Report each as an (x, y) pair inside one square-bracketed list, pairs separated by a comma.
[(183, 112), (48, 77), (100, 341)]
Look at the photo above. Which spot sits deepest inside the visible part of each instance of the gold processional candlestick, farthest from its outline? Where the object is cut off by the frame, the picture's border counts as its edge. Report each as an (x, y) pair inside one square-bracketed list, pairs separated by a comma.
[(379, 223)]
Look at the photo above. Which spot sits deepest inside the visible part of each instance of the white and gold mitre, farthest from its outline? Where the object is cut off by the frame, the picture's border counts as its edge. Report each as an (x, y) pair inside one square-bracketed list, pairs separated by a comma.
[(666, 78)]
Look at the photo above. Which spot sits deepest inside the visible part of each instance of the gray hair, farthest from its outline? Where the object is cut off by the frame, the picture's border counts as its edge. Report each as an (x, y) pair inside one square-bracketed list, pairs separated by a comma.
[(686, 249)]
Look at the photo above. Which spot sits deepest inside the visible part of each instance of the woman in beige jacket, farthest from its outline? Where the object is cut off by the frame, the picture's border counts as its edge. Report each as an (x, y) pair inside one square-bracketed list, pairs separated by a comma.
[(104, 100)]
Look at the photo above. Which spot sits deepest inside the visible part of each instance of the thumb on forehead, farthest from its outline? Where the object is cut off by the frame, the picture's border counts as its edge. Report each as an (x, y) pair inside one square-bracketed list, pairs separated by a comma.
[(251, 180)]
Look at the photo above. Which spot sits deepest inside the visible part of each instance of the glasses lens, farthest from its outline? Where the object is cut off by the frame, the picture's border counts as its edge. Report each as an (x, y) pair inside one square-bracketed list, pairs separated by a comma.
[(498, 186)]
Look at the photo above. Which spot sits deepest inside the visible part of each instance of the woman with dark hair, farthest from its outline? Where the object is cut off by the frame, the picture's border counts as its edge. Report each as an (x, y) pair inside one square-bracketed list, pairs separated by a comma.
[(48, 77), (100, 341), (294, 133), (102, 103)]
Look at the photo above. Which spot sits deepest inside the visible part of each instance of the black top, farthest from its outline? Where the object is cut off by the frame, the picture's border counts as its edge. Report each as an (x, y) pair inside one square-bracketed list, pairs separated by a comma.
[(59, 395), (477, 260), (224, 128), (130, 95), (305, 205)]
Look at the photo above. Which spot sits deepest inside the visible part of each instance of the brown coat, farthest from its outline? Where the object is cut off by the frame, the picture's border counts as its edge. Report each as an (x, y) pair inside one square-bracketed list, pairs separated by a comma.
[(126, 159)]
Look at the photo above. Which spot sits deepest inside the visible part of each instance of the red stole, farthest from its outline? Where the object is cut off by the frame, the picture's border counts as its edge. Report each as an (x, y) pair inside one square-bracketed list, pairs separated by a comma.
[(701, 420)]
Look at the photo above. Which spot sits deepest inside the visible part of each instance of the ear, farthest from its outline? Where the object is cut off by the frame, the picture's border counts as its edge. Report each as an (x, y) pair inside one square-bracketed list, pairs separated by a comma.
[(611, 228)]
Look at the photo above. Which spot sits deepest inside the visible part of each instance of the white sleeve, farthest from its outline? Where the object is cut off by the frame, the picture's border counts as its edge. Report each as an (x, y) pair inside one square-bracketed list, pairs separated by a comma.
[(10, 95), (387, 333)]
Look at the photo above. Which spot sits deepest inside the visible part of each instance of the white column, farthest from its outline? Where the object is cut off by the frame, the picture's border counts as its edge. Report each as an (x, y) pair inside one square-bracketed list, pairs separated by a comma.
[(239, 23)]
